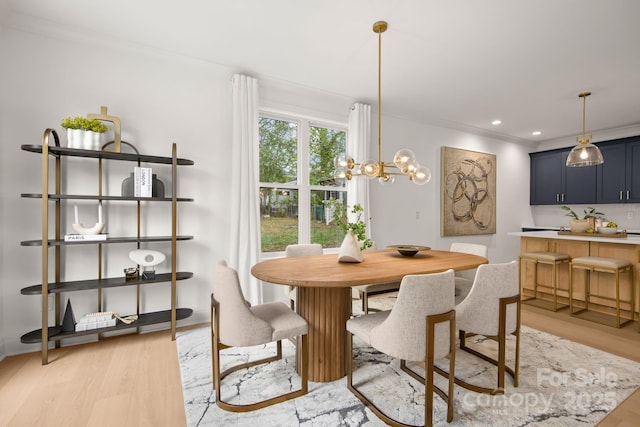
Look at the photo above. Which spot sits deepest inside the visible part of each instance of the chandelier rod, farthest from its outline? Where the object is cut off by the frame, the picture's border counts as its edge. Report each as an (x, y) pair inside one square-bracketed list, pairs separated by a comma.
[(380, 27), (584, 95), (379, 95)]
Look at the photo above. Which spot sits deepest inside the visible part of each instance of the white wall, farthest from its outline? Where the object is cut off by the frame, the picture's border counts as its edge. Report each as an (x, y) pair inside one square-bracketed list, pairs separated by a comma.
[(163, 99), (160, 100), (404, 213), (3, 320)]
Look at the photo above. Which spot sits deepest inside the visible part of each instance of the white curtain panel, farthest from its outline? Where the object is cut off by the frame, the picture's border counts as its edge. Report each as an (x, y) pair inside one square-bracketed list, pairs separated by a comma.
[(244, 247), (358, 142)]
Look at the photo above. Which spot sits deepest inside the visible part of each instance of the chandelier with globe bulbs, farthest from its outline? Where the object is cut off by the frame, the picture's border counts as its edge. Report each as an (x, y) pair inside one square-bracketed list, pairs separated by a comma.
[(404, 161)]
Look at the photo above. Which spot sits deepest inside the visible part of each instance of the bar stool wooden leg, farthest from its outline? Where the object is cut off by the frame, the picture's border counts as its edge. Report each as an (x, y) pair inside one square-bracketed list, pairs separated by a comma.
[(554, 274), (553, 259), (603, 265), (571, 289), (617, 298)]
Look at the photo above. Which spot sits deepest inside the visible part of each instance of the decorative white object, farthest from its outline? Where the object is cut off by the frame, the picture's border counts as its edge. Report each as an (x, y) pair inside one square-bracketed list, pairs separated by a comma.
[(607, 230), (350, 249), (84, 139), (81, 229), (102, 319), (146, 257)]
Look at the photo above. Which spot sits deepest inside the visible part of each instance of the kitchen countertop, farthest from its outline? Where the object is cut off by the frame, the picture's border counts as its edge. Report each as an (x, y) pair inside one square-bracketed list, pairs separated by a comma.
[(550, 234)]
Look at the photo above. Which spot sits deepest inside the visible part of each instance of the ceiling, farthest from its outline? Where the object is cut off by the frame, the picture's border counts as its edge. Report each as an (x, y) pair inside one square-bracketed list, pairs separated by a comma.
[(456, 63)]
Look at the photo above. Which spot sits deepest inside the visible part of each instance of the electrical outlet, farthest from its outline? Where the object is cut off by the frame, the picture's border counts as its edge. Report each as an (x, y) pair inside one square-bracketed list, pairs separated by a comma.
[(417, 214), (629, 215)]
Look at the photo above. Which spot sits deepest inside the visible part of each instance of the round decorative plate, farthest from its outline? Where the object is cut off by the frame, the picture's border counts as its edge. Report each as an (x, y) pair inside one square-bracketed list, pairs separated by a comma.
[(409, 250)]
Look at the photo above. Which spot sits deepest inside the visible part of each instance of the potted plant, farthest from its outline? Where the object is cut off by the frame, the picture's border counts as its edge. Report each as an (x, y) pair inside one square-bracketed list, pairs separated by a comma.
[(587, 222), (83, 133), (355, 239)]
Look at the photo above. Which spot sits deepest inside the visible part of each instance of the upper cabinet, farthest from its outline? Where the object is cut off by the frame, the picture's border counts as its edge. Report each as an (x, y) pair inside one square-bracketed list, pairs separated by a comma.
[(618, 178), (552, 183)]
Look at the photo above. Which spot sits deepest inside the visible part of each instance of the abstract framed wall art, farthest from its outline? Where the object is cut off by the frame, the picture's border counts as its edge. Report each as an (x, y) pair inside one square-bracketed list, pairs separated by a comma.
[(468, 194)]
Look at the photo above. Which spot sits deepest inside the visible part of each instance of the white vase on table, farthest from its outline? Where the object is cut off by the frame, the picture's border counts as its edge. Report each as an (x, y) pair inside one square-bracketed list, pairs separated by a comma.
[(350, 249)]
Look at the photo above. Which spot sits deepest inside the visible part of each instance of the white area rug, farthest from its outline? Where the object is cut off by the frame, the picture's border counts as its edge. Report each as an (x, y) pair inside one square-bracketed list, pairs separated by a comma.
[(561, 384)]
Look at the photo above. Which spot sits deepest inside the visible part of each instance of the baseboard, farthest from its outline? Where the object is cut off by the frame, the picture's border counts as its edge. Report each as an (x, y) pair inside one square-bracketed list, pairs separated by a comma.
[(3, 350)]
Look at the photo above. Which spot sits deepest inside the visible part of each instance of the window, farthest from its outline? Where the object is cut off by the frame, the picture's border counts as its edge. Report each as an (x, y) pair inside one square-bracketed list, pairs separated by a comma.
[(297, 164)]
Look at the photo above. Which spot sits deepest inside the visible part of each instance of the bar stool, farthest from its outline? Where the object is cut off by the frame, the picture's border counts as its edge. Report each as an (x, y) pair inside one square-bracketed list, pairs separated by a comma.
[(602, 265), (554, 259)]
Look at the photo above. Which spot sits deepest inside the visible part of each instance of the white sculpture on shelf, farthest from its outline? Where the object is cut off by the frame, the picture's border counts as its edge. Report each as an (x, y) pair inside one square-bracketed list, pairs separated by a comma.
[(147, 258), (81, 229)]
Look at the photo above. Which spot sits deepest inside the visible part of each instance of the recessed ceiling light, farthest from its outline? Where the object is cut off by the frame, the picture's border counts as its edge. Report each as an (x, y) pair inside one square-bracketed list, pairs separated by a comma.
[(536, 133), (496, 122)]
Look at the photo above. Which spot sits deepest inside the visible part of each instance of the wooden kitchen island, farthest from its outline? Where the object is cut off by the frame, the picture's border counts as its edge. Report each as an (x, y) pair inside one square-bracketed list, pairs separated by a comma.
[(602, 284)]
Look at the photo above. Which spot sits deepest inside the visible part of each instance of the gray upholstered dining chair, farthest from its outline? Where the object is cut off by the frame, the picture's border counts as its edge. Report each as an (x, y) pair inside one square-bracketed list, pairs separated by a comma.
[(492, 309), (300, 249), (235, 323), (464, 278), (419, 328)]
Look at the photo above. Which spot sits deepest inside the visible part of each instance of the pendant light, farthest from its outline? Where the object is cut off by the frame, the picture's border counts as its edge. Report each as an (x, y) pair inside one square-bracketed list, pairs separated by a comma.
[(404, 161), (585, 153)]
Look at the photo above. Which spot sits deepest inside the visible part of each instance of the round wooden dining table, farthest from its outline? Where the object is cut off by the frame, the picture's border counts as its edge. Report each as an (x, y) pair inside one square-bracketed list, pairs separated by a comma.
[(324, 293)]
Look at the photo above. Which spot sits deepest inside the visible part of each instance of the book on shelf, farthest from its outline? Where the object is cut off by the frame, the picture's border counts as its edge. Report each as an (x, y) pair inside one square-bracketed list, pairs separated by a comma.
[(84, 237), (142, 182), (95, 321)]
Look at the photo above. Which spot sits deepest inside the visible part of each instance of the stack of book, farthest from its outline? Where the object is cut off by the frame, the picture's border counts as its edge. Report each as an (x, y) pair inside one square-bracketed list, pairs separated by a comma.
[(84, 237), (96, 320), (142, 182)]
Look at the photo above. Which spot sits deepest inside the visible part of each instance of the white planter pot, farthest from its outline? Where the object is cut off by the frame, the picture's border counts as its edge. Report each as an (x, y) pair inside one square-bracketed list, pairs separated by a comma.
[(84, 139)]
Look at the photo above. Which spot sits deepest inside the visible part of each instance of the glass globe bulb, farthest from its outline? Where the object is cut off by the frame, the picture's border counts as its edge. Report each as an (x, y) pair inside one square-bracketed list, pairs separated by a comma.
[(340, 162), (386, 179), (421, 176), (369, 168), (412, 167), (404, 157)]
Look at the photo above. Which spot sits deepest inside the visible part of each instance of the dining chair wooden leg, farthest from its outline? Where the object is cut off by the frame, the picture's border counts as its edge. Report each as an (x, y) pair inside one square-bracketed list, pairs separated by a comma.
[(218, 376), (501, 340), (427, 380)]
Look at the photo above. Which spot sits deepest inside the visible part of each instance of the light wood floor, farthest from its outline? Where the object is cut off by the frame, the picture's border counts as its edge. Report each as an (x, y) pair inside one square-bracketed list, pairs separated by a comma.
[(134, 380)]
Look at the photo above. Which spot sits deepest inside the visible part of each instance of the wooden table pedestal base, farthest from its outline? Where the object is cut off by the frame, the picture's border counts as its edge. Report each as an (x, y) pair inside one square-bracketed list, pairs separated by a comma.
[(326, 310)]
